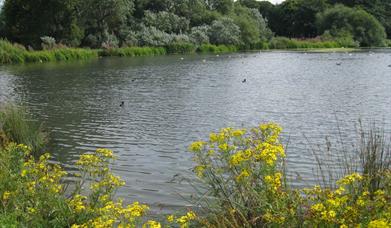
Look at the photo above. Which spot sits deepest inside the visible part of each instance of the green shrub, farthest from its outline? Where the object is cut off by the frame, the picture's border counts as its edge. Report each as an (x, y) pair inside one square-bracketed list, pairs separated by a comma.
[(33, 193), (362, 26), (245, 184)]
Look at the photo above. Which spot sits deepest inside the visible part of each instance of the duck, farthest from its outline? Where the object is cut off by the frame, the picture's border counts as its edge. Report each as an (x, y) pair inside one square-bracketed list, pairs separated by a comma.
[(122, 104), (244, 81), (339, 64)]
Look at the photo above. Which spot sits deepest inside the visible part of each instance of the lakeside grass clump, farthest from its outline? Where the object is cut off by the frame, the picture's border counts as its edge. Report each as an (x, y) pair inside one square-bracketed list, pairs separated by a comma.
[(287, 43), (210, 48), (16, 54), (15, 127), (133, 51)]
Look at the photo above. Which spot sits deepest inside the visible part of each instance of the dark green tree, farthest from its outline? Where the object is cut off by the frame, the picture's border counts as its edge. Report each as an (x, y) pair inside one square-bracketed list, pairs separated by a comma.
[(363, 27), (25, 21)]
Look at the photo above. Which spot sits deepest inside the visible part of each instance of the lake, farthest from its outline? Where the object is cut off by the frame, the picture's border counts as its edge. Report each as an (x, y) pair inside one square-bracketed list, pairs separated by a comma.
[(170, 102)]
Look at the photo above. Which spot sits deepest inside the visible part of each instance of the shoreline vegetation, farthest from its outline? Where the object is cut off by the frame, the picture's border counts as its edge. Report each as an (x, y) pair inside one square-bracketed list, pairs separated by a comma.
[(18, 54), (242, 171), (86, 29)]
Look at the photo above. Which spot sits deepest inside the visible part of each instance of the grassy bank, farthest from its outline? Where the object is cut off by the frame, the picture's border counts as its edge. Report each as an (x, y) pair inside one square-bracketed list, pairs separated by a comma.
[(244, 181), (17, 54), (14, 53)]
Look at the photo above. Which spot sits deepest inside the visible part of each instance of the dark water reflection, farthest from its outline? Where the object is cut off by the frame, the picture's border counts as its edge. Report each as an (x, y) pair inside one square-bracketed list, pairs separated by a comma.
[(170, 102)]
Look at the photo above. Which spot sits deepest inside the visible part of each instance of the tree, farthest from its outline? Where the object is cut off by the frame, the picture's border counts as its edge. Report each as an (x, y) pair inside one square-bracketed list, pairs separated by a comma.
[(224, 31), (166, 22), (25, 21), (361, 25), (296, 18), (381, 9), (222, 6), (103, 18), (253, 26)]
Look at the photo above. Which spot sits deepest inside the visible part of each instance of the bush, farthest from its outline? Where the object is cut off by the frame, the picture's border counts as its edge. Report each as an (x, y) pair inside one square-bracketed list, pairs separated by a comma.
[(243, 172), (224, 31), (166, 22), (150, 36), (32, 193), (48, 43), (199, 35), (362, 26)]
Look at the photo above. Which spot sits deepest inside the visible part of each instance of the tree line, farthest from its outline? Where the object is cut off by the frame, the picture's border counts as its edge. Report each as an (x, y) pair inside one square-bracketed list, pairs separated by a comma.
[(123, 23)]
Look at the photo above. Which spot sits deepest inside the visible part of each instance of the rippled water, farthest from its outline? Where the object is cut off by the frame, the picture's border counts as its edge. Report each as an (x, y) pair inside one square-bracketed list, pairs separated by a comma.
[(170, 102)]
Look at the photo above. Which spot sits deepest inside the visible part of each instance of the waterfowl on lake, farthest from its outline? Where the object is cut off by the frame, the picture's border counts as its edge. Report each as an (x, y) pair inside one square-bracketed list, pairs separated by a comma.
[(122, 104), (244, 81), (338, 64)]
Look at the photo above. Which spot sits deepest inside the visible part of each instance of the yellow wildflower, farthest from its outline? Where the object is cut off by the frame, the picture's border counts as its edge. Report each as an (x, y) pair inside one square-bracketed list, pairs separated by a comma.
[(152, 224), (245, 173), (170, 218), (6, 195), (381, 223), (196, 146)]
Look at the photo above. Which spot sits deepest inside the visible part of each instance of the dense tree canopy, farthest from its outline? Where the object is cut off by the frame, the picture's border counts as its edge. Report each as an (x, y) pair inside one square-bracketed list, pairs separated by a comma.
[(112, 23), (361, 25)]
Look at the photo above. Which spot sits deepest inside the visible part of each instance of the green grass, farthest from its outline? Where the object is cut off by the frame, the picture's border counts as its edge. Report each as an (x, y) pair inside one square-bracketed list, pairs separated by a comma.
[(210, 48), (17, 54), (133, 51), (14, 54), (286, 43), (15, 127)]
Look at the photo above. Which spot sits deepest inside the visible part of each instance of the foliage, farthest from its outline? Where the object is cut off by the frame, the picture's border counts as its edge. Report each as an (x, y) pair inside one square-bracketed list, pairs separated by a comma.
[(199, 34), (295, 18), (48, 42), (134, 51), (210, 48), (243, 173), (166, 22), (26, 21), (362, 26), (33, 194), (245, 186), (151, 36), (13, 53), (15, 127), (286, 43), (224, 31)]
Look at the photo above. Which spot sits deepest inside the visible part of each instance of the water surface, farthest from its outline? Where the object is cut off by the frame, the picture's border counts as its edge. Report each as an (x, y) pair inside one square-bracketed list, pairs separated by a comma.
[(171, 102)]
